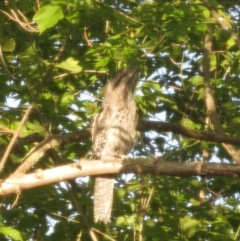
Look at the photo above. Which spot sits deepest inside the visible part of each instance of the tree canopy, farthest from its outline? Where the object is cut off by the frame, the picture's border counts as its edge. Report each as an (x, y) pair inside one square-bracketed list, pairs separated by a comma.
[(55, 59)]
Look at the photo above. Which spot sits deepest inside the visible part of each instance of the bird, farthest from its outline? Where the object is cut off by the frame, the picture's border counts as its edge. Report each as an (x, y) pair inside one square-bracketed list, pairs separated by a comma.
[(114, 133)]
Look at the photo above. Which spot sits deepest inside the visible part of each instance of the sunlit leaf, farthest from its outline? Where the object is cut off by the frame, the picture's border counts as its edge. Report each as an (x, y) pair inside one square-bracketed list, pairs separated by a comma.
[(48, 16), (70, 64), (11, 232)]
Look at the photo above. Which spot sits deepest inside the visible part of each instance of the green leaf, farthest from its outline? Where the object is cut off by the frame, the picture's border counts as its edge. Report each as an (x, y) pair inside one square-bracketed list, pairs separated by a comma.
[(188, 123), (74, 18), (11, 232), (121, 192), (154, 86), (196, 80), (66, 99), (190, 226), (48, 16), (231, 42), (102, 62), (176, 50), (236, 120), (8, 45), (70, 64), (116, 37), (153, 229), (34, 127), (120, 221), (166, 40)]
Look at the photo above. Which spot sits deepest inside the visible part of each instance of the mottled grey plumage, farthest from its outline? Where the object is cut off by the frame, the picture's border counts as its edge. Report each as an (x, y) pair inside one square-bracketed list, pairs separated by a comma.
[(114, 134)]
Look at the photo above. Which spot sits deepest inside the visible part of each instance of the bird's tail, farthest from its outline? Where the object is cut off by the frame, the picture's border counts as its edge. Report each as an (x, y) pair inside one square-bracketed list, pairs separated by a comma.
[(103, 198)]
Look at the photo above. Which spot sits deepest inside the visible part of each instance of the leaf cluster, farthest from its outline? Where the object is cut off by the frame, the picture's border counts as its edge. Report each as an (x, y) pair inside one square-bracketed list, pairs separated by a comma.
[(57, 56)]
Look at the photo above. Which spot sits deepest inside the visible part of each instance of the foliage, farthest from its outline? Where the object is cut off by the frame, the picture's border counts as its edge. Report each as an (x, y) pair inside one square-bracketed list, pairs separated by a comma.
[(56, 56)]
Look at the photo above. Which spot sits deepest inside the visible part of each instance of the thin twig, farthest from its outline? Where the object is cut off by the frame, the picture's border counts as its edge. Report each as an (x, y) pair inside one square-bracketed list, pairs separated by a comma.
[(15, 201), (56, 58), (80, 210), (150, 51), (38, 4), (86, 37), (81, 71), (25, 25), (105, 235), (9, 148), (4, 63), (144, 205)]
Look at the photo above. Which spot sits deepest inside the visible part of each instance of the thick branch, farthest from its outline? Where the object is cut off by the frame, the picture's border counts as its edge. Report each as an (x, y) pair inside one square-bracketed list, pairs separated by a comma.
[(159, 126), (19, 181), (143, 125), (34, 156)]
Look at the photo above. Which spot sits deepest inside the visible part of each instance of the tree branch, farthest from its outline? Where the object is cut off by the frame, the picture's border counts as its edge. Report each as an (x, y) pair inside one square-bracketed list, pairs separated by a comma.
[(143, 125), (14, 138), (225, 25), (156, 166), (37, 152), (159, 126), (209, 100), (223, 22)]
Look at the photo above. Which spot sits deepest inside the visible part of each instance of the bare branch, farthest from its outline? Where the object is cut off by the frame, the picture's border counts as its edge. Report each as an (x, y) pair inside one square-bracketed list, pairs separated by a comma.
[(4, 63), (159, 126), (19, 181), (24, 24), (86, 37), (14, 138), (53, 141)]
